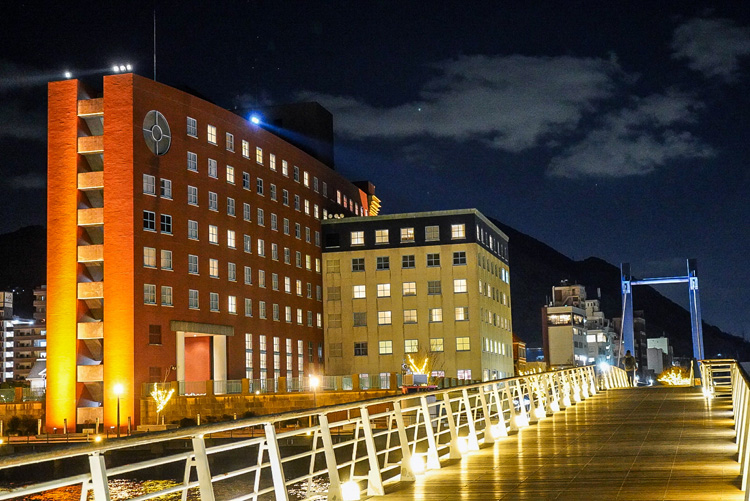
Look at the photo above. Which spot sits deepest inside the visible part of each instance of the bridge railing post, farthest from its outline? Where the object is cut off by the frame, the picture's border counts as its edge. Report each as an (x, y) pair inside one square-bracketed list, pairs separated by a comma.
[(277, 469), (473, 442), (489, 437), (455, 450), (407, 473), (334, 486), (374, 479), (99, 482), (433, 460)]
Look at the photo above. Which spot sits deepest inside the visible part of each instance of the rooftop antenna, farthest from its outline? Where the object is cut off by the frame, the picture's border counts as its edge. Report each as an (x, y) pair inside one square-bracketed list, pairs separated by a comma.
[(154, 44)]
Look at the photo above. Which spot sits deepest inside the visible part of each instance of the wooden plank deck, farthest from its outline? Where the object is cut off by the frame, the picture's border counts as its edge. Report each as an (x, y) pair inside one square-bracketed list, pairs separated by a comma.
[(656, 443)]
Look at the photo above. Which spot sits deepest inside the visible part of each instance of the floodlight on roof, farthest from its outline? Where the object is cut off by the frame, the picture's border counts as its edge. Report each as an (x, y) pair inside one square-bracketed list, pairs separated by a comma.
[(255, 119), (68, 74)]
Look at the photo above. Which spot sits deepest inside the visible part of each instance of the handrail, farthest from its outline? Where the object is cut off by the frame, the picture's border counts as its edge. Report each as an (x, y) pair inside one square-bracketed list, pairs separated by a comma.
[(407, 433)]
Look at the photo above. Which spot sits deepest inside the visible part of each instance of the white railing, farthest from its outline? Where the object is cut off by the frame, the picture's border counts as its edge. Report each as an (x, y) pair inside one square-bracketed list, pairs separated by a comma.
[(728, 377), (354, 448)]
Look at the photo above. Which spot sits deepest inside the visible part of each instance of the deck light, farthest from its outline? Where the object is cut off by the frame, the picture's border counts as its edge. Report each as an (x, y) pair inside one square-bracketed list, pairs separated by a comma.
[(417, 464), (350, 491)]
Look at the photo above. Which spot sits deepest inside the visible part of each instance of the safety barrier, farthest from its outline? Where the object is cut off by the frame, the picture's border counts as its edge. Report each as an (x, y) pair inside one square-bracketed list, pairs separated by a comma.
[(354, 448)]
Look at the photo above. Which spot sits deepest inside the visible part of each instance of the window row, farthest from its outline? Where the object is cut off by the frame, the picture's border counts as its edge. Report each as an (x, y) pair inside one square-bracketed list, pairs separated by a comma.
[(434, 288), (383, 263), (431, 234), (385, 347), (385, 317)]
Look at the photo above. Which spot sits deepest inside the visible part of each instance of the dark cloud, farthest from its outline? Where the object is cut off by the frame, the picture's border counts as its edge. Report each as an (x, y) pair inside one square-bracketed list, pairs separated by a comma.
[(713, 47)]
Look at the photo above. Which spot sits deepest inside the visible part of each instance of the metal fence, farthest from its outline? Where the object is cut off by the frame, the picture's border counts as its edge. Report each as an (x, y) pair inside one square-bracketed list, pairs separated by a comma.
[(347, 449)]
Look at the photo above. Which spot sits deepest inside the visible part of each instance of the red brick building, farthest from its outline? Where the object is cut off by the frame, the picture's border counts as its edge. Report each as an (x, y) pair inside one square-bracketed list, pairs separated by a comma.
[(183, 243)]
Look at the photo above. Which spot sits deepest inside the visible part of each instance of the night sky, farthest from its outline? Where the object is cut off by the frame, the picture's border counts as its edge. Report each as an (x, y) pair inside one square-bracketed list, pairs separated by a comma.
[(611, 129)]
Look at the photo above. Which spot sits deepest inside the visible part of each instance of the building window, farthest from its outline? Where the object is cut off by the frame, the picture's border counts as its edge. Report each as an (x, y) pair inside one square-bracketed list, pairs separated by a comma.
[(232, 304), (384, 318), (246, 214), (248, 275), (149, 294), (285, 197), (154, 334), (358, 264), (259, 186), (407, 235), (385, 347), (192, 161), (213, 234), (230, 206), (261, 278), (275, 252), (192, 195), (213, 201), (297, 205), (434, 287), (149, 257), (306, 179), (166, 295), (409, 288), (248, 307), (193, 230), (213, 268), (193, 299), (213, 168), (410, 316), (165, 188), (408, 262), (459, 258), (230, 174), (358, 292), (462, 313), (287, 255), (463, 344), (334, 320), (298, 259), (360, 349), (459, 285), (261, 218), (211, 134), (431, 233), (231, 272), (245, 149), (149, 220), (360, 319), (213, 301), (230, 142), (259, 155), (436, 314), (358, 238), (166, 259), (274, 192), (381, 236), (411, 345), (165, 223), (458, 231), (433, 259), (272, 162), (192, 264), (149, 185), (245, 181), (436, 344), (382, 263), (384, 290), (296, 173), (192, 127), (261, 247)]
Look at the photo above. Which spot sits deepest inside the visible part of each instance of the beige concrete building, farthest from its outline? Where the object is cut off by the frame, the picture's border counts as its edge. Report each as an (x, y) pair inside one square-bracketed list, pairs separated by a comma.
[(430, 290)]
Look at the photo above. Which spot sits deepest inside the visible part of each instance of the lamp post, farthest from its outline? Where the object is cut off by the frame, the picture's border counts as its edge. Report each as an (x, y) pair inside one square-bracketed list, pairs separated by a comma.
[(118, 391), (314, 382)]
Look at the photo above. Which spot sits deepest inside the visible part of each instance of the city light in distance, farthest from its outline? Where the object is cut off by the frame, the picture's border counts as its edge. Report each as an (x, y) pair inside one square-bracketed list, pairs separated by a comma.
[(119, 68), (68, 74)]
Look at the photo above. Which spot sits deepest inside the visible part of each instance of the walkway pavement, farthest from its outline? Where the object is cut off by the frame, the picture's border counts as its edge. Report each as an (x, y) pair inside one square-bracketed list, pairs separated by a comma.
[(643, 444)]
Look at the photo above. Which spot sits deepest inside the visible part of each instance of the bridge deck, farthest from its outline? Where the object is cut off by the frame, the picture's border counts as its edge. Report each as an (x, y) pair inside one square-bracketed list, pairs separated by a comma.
[(640, 443)]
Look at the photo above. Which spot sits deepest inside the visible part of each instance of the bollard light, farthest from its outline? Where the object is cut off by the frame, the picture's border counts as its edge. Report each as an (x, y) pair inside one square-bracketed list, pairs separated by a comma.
[(463, 445), (417, 464), (98, 439), (350, 491)]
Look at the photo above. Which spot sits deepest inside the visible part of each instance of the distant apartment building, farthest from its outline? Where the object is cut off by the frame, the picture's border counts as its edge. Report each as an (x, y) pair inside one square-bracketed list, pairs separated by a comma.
[(24, 340), (519, 355), (428, 287), (660, 354), (564, 327), (600, 335)]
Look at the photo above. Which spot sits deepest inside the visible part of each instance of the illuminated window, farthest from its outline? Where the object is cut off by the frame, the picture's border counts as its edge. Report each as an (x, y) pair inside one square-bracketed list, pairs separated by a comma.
[(288, 314), (358, 292), (230, 239), (213, 168), (149, 257), (410, 316), (431, 233), (384, 318), (462, 313), (409, 288), (213, 268), (149, 220), (407, 235), (230, 142), (192, 127), (306, 179), (166, 259), (434, 287), (166, 295), (213, 201), (382, 263), (436, 344), (433, 259), (463, 344), (211, 134), (411, 345), (385, 347), (464, 374), (259, 155), (213, 298), (285, 168), (459, 285), (149, 294), (232, 304), (245, 149), (165, 223), (307, 207), (213, 234), (272, 162), (436, 314), (299, 316), (165, 188), (261, 247), (192, 195), (381, 236), (458, 231), (193, 299), (192, 264), (384, 290), (459, 258), (192, 161), (149, 185), (230, 174)]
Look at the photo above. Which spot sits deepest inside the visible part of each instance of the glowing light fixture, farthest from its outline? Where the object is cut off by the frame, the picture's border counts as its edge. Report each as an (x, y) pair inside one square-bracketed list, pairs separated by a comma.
[(98, 439), (256, 120), (119, 68), (314, 382), (350, 491), (417, 464), (463, 445), (604, 366), (68, 74)]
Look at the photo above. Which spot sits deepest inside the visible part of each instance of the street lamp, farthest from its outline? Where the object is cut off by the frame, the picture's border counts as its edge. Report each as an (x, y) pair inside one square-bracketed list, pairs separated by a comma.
[(118, 391), (314, 382)]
